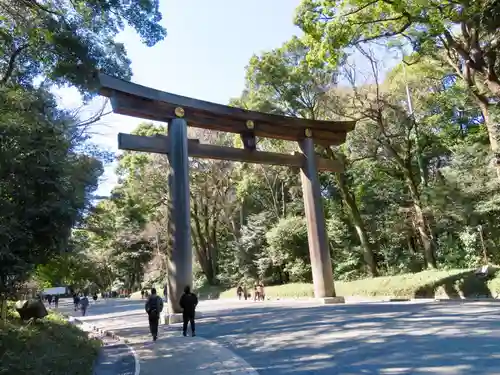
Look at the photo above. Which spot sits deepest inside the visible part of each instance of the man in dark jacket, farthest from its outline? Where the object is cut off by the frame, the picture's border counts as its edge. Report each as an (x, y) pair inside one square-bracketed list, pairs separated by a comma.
[(154, 307), (76, 300), (188, 304)]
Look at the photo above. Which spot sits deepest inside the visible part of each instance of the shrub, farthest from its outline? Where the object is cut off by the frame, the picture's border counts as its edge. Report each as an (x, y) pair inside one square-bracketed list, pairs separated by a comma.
[(49, 346)]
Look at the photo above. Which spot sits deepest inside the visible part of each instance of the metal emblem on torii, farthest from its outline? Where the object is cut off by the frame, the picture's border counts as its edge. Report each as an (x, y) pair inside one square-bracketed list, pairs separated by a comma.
[(131, 99)]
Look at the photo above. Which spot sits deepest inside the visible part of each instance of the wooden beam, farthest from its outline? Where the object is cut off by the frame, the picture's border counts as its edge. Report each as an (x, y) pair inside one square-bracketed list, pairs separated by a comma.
[(125, 104), (160, 145), (157, 144), (135, 100)]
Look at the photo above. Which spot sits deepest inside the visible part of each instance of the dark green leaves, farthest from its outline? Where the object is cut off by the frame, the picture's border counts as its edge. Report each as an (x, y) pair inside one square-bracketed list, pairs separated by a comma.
[(67, 41), (44, 186)]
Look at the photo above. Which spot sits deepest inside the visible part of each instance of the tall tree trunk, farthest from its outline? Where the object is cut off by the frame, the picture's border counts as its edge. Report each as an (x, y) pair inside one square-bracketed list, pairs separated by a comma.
[(492, 127), (426, 238), (357, 220), (347, 196), (283, 199), (201, 244), (421, 222), (415, 266)]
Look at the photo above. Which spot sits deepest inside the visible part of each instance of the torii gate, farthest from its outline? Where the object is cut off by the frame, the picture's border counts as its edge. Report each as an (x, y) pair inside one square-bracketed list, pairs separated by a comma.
[(131, 99)]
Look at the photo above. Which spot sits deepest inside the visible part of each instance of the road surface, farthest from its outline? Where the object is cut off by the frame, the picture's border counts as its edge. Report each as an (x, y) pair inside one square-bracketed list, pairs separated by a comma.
[(282, 338)]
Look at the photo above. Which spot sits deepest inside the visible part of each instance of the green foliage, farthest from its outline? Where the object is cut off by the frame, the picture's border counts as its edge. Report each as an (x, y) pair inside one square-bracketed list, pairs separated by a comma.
[(415, 184), (45, 185), (50, 346), (288, 248), (66, 41), (252, 241), (48, 167), (331, 26), (284, 83), (443, 32), (77, 270)]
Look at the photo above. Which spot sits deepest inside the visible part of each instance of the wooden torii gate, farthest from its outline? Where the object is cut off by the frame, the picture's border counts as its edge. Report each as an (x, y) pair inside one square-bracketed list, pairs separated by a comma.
[(135, 100)]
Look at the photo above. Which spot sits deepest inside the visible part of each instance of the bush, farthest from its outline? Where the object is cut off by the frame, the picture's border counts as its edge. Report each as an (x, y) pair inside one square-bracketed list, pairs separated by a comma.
[(426, 284), (288, 248), (49, 346)]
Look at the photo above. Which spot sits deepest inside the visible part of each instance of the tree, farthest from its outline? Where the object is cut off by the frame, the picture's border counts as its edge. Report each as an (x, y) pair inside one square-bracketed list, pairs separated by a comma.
[(44, 186), (284, 77), (49, 170), (213, 206), (288, 250), (386, 132), (66, 41), (464, 36)]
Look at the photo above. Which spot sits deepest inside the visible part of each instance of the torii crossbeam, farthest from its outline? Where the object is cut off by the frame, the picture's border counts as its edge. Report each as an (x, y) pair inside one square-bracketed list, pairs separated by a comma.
[(131, 99)]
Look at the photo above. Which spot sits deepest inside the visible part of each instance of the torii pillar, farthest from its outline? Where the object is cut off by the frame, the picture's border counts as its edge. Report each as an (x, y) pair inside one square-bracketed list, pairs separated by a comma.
[(180, 264), (319, 250)]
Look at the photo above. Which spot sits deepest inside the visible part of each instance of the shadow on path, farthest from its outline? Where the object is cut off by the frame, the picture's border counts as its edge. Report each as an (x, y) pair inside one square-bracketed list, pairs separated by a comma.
[(446, 338), (115, 360)]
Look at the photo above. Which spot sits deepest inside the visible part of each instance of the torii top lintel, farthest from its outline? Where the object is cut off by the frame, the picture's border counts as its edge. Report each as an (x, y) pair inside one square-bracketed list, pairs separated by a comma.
[(131, 99)]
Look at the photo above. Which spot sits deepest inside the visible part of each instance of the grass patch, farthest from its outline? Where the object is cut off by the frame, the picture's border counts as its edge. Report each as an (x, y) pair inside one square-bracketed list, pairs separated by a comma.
[(49, 346), (427, 284), (210, 291)]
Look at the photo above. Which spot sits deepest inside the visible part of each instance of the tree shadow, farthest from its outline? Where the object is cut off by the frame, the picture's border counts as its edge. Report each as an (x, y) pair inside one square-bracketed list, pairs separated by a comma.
[(384, 338), (376, 338), (463, 285)]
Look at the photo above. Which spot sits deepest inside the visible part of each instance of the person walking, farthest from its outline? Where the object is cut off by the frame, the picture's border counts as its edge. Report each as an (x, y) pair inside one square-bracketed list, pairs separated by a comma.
[(154, 307), (256, 294), (84, 304), (262, 294), (239, 292), (188, 303), (76, 300), (56, 301)]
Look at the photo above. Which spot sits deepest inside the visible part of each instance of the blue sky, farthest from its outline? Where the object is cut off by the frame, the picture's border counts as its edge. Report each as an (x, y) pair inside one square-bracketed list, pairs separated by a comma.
[(204, 55)]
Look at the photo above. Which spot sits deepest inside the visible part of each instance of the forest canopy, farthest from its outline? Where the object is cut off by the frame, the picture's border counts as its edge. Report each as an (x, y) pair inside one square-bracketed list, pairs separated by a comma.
[(420, 186)]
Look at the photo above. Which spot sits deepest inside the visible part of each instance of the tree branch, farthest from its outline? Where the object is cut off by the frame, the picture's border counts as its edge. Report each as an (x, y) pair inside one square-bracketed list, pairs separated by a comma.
[(12, 62)]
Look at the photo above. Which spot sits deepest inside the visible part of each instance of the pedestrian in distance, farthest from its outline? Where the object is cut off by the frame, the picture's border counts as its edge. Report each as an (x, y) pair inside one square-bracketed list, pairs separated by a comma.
[(256, 294), (188, 304), (84, 304), (154, 307), (76, 300), (262, 294), (239, 292), (56, 301)]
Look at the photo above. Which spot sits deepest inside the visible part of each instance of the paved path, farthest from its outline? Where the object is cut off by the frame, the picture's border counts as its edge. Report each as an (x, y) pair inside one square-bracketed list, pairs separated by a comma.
[(284, 338)]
